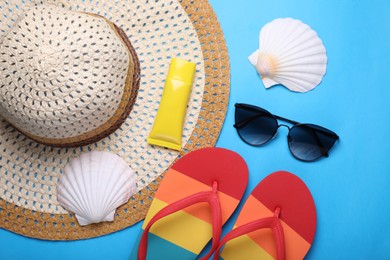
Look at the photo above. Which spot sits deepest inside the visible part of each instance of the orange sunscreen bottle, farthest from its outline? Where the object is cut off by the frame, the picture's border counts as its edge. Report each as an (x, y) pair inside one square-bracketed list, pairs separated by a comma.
[(168, 126)]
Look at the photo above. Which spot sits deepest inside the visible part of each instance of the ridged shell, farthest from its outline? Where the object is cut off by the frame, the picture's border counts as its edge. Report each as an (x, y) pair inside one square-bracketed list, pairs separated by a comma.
[(290, 54), (94, 185)]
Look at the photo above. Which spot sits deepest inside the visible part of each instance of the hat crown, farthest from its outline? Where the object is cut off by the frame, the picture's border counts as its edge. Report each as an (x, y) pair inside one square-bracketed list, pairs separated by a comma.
[(46, 62), (63, 72)]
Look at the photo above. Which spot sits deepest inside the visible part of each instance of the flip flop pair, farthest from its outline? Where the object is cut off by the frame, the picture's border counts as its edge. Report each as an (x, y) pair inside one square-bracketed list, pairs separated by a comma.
[(202, 190)]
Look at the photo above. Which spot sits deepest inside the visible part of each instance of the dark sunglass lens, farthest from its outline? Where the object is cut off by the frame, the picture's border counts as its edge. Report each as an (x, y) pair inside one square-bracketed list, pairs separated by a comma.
[(255, 126), (310, 142)]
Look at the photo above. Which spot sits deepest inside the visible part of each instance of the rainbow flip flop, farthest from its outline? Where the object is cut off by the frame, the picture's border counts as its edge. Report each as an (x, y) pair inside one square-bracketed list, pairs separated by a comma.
[(196, 197), (278, 221)]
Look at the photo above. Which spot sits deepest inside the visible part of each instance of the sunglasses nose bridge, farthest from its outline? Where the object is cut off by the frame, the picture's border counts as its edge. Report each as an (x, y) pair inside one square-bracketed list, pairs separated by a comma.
[(284, 126)]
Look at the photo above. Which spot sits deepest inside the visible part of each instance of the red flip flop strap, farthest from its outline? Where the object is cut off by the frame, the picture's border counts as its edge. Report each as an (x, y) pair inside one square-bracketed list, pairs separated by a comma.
[(210, 197), (272, 222)]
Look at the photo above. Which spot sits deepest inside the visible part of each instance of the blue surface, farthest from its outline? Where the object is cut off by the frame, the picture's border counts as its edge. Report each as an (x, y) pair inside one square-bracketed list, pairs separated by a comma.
[(351, 187)]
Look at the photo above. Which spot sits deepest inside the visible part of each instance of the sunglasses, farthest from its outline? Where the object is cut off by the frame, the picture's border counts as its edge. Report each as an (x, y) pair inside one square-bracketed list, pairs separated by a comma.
[(307, 142)]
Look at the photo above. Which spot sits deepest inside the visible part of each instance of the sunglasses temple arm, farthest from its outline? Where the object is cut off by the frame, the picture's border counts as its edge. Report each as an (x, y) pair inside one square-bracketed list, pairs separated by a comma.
[(286, 120), (323, 150), (297, 123), (250, 119), (333, 135), (246, 121)]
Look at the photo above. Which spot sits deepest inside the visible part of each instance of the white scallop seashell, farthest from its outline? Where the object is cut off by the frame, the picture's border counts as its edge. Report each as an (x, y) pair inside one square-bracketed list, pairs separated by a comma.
[(94, 185), (290, 54)]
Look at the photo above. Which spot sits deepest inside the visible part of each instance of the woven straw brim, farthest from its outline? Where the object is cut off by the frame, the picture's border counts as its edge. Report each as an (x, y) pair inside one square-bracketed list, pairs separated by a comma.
[(205, 134)]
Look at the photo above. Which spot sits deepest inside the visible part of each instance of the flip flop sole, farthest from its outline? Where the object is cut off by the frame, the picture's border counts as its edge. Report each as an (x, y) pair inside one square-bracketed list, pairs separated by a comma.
[(298, 218), (186, 232)]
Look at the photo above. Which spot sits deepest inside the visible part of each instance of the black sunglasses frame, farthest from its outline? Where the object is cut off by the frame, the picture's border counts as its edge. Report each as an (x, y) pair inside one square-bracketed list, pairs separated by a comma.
[(312, 127)]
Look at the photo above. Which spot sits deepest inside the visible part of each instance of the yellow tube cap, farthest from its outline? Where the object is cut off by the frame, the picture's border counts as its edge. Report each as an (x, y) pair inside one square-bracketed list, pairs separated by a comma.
[(182, 70)]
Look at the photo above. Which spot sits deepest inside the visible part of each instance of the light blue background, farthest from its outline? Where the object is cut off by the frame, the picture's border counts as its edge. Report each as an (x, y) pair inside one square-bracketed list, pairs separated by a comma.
[(351, 187)]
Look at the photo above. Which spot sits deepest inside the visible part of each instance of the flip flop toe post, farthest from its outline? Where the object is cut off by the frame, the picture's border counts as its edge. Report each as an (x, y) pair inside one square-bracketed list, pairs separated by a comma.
[(196, 197), (278, 221)]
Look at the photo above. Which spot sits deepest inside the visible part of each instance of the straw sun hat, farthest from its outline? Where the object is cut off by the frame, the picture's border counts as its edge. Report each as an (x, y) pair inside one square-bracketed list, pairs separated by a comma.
[(83, 75)]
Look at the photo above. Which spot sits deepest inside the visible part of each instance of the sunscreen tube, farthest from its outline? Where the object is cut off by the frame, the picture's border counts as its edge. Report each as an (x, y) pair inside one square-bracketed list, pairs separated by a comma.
[(168, 126)]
